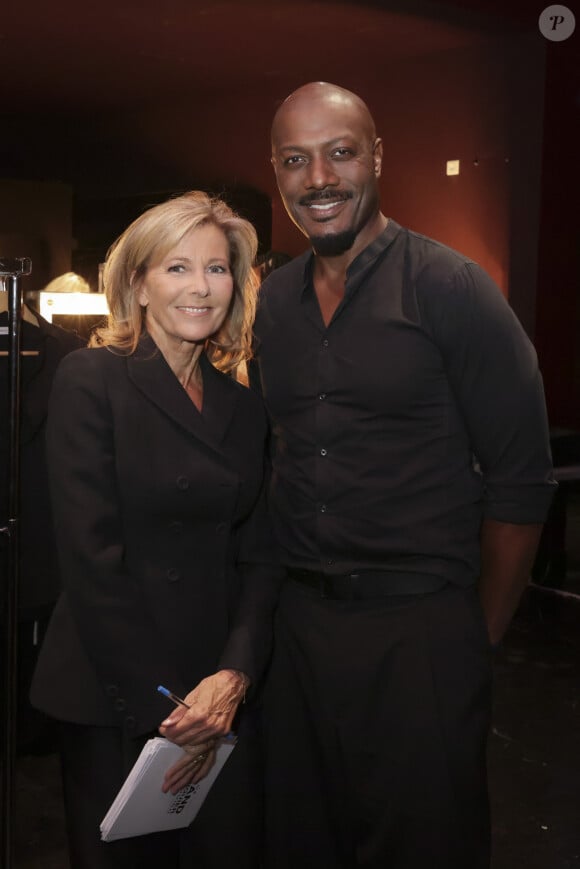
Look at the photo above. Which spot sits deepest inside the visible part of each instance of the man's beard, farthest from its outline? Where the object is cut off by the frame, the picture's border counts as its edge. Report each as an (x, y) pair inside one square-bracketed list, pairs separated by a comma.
[(333, 245)]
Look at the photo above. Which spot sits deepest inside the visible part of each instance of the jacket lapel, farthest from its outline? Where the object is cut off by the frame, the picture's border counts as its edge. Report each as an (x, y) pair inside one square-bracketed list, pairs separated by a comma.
[(153, 377)]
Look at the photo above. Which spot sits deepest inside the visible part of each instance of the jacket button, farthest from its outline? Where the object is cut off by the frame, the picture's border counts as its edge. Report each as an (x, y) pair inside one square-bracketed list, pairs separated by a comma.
[(176, 527), (130, 722), (120, 704), (112, 690), (173, 574), (221, 528), (182, 483)]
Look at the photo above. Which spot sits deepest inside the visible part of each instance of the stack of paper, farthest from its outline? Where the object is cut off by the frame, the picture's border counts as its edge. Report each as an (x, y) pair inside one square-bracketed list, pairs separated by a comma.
[(141, 807)]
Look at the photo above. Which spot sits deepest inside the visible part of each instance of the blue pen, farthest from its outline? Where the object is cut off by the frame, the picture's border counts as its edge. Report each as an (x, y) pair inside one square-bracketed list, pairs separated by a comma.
[(229, 737), (167, 693)]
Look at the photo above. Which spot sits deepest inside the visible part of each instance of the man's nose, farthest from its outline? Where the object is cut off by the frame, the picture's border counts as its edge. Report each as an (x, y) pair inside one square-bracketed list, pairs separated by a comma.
[(321, 173)]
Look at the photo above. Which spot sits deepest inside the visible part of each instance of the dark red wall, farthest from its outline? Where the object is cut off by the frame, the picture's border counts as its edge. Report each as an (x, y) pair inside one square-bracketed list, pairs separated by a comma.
[(483, 105)]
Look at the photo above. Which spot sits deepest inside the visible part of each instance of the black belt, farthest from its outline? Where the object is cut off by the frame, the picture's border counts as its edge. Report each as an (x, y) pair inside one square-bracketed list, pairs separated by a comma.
[(365, 584)]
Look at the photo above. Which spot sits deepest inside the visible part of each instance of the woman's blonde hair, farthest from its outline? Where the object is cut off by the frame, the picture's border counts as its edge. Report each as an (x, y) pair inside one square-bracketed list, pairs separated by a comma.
[(147, 241)]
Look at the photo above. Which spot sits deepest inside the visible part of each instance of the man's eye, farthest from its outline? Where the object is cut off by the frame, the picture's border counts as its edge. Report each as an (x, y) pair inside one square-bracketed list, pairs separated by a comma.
[(294, 160), (342, 153)]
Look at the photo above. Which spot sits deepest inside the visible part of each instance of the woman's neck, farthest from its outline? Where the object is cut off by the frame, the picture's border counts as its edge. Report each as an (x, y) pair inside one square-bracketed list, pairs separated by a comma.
[(183, 357)]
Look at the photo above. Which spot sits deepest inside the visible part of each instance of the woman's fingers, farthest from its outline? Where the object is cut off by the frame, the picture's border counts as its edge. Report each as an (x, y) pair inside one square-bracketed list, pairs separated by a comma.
[(195, 763), (204, 767)]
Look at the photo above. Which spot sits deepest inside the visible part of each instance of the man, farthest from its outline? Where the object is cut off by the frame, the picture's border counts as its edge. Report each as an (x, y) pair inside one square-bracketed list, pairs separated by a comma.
[(411, 476)]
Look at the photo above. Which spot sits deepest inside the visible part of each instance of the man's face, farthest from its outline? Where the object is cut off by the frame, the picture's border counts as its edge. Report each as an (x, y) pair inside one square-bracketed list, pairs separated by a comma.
[(327, 165)]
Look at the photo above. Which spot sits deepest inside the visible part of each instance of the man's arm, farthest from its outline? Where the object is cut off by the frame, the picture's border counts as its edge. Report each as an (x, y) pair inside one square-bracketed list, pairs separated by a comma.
[(507, 556), (493, 372)]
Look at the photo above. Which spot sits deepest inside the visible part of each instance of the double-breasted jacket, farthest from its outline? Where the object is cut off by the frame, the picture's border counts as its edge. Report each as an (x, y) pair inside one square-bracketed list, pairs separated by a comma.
[(167, 562)]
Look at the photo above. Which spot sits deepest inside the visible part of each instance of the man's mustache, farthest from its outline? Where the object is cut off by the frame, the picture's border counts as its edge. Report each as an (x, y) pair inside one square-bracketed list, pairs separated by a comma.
[(322, 195)]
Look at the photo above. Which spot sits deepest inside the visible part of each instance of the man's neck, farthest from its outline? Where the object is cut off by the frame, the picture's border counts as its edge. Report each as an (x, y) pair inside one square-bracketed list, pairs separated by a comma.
[(333, 268)]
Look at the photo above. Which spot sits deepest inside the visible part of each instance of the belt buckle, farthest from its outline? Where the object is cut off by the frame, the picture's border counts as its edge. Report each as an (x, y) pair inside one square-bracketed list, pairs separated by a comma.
[(354, 586), (344, 587)]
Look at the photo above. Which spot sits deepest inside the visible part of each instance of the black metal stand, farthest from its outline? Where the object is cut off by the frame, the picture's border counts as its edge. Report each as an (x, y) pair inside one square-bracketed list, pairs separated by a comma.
[(11, 271)]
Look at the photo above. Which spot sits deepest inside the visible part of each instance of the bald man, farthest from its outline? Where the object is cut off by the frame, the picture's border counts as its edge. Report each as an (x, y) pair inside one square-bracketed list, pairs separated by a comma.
[(411, 477)]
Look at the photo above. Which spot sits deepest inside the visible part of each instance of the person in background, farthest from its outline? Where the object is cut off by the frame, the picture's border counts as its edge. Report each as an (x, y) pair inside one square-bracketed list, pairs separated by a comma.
[(43, 346), (69, 282), (156, 462), (411, 475), (271, 261), (265, 264)]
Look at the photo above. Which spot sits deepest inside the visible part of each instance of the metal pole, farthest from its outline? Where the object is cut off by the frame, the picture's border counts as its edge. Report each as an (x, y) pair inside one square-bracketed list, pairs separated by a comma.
[(10, 272)]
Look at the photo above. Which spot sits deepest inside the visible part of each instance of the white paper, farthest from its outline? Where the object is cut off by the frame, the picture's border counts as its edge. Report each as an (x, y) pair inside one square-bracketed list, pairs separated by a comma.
[(141, 807)]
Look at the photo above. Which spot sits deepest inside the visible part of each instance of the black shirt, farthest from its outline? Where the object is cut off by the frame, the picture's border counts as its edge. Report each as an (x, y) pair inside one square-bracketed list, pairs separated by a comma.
[(418, 411)]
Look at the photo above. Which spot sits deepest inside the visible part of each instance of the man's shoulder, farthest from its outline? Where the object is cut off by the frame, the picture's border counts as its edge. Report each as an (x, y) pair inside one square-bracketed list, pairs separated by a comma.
[(286, 278), (431, 258)]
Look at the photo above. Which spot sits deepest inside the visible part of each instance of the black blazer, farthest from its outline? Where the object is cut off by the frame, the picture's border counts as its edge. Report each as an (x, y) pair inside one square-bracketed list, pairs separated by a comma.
[(163, 538), (39, 582)]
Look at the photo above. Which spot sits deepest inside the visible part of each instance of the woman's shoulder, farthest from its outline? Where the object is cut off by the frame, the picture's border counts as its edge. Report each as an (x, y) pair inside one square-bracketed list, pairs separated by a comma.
[(91, 361)]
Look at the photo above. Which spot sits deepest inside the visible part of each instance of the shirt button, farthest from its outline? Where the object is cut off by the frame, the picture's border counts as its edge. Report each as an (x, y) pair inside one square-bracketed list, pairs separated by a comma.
[(323, 508), (120, 704), (182, 483), (330, 562), (323, 452), (173, 574), (322, 396), (325, 342)]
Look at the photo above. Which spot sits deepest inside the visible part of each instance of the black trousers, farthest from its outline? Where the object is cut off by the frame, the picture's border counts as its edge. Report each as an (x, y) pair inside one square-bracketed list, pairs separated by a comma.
[(227, 831), (376, 716)]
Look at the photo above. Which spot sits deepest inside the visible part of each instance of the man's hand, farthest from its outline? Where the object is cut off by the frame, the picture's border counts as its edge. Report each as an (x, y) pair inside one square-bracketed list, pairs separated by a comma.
[(507, 557)]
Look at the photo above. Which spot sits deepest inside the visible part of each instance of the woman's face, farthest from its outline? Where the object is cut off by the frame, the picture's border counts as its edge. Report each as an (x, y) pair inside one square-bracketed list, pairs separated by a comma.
[(188, 293)]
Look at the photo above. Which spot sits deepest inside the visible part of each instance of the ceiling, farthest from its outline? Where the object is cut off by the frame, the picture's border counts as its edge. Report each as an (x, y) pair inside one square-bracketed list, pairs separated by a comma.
[(61, 56)]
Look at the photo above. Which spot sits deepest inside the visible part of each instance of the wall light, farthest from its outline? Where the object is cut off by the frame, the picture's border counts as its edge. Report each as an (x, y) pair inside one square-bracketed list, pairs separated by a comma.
[(72, 303)]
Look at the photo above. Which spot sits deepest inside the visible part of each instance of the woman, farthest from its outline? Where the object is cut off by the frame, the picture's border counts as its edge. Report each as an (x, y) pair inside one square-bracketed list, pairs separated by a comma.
[(156, 462)]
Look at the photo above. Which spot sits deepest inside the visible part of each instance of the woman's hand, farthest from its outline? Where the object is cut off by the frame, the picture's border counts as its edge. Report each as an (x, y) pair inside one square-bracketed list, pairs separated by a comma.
[(191, 768), (212, 707)]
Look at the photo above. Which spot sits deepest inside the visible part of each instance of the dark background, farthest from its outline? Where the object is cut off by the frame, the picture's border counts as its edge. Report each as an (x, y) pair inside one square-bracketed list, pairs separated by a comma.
[(111, 107), (108, 108)]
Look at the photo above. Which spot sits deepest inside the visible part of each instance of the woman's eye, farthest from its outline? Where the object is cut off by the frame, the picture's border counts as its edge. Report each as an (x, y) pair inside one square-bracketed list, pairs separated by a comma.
[(217, 270), (178, 268)]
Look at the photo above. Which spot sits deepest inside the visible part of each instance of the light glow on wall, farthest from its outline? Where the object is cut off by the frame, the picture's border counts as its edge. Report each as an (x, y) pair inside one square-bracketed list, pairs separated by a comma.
[(72, 303)]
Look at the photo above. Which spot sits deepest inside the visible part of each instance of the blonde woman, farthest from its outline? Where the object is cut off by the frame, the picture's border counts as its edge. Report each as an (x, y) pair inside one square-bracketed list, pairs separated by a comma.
[(169, 577)]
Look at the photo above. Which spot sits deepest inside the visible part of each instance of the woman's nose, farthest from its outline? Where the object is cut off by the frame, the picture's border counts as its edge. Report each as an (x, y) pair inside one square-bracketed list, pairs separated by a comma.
[(200, 285)]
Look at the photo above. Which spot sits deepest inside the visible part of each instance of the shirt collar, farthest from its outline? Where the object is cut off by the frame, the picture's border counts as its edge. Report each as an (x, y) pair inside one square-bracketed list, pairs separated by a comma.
[(363, 261)]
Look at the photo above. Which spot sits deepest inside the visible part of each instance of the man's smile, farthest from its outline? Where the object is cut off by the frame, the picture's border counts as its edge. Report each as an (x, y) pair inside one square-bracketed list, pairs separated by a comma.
[(326, 205)]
